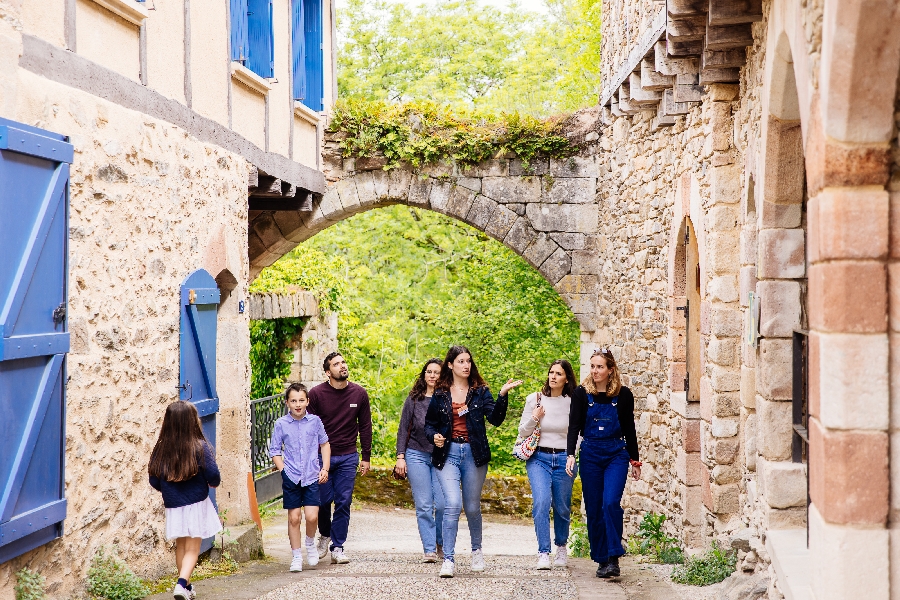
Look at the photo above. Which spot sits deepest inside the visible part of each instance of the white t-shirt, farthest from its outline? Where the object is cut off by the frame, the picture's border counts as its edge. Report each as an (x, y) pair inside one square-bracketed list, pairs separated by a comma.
[(554, 425)]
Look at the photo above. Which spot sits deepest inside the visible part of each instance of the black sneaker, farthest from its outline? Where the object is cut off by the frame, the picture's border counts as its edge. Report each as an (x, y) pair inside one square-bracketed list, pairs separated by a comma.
[(601, 570), (612, 569)]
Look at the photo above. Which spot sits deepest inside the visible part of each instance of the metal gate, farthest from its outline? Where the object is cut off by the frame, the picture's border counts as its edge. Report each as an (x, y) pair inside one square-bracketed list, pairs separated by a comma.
[(197, 379), (34, 204)]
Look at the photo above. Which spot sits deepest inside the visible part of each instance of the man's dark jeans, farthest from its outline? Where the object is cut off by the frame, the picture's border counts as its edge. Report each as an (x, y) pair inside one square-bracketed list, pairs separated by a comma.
[(338, 490)]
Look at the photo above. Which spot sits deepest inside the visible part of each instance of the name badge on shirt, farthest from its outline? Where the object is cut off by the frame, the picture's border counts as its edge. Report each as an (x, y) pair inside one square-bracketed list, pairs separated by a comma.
[(463, 410), (353, 406)]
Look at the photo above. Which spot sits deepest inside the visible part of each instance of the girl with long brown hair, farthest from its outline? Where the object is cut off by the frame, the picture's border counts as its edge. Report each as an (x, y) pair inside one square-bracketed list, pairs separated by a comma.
[(183, 467), (603, 414)]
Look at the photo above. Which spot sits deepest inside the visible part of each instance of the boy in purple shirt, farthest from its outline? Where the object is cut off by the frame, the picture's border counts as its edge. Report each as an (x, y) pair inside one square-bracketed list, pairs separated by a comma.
[(297, 439)]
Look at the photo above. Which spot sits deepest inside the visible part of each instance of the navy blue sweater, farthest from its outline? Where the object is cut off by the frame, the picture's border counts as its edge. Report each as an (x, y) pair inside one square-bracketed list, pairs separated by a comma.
[(193, 490)]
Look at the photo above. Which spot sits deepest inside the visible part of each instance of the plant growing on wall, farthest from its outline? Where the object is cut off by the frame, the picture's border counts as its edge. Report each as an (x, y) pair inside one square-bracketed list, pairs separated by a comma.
[(271, 354), (110, 578), (29, 585)]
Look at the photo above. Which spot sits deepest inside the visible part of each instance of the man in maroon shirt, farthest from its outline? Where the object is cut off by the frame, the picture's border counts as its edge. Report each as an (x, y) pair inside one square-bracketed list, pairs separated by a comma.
[(344, 409)]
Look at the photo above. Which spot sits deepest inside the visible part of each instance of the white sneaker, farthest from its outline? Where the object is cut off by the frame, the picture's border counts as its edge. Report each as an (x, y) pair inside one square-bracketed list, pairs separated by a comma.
[(448, 569), (192, 592), (543, 561), (312, 556), (297, 564), (477, 561), (338, 557), (180, 592), (324, 542), (562, 557)]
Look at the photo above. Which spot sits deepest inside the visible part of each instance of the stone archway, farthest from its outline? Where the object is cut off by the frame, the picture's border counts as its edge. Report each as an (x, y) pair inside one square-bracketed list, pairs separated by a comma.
[(546, 214)]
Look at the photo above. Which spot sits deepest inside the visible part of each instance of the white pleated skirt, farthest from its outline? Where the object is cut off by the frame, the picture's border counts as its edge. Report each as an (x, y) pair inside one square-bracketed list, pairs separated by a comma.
[(198, 520)]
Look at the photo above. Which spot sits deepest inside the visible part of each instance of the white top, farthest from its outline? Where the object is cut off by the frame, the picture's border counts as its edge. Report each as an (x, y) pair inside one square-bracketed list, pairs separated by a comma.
[(554, 425)]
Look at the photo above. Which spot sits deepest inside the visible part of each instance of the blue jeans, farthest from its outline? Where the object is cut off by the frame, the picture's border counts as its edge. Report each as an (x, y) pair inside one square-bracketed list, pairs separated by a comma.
[(428, 496), (550, 486), (339, 490), (460, 472), (604, 469)]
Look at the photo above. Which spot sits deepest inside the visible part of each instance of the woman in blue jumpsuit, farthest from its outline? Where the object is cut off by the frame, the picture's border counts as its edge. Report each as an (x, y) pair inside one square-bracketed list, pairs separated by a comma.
[(602, 413)]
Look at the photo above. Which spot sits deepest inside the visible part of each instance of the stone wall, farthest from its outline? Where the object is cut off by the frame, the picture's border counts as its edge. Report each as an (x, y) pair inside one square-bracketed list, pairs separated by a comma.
[(149, 205)]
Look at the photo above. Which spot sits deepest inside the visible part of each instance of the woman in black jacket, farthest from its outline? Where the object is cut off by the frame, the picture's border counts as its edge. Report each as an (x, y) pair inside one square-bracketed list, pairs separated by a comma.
[(603, 413), (455, 423)]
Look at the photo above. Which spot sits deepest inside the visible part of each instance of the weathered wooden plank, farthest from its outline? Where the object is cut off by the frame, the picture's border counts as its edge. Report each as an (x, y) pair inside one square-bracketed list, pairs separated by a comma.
[(729, 75), (659, 122), (625, 105), (667, 65), (639, 94), (728, 37), (733, 12), (687, 88), (306, 203), (614, 109), (668, 106), (651, 80), (675, 48), (288, 190), (635, 55), (722, 59), (686, 8), (687, 29), (268, 187)]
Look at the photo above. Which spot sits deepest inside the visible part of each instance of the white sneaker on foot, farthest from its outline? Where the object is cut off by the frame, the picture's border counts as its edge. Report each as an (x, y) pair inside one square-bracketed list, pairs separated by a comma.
[(562, 557), (477, 561), (297, 564), (448, 569), (543, 561), (338, 557), (312, 556), (192, 591), (180, 592), (324, 543)]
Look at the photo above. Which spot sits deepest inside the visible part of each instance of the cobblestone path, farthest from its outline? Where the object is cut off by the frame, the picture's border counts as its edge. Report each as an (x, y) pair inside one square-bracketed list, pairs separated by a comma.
[(386, 563)]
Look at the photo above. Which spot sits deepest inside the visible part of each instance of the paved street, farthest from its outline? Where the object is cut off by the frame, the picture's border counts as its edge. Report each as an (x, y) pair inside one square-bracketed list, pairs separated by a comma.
[(386, 563)]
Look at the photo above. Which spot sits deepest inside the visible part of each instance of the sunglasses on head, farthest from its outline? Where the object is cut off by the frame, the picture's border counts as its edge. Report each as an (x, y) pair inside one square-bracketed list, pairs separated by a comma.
[(603, 350)]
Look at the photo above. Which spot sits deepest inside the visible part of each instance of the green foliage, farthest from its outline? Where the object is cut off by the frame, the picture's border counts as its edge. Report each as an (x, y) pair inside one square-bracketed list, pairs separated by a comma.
[(271, 355), (424, 132), (269, 509), (29, 585), (467, 55), (709, 568), (652, 539), (309, 270), (418, 282), (206, 568), (579, 544), (111, 579)]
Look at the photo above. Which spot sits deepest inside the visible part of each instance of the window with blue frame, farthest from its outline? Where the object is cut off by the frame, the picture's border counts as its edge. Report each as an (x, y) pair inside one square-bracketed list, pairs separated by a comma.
[(306, 40), (251, 36)]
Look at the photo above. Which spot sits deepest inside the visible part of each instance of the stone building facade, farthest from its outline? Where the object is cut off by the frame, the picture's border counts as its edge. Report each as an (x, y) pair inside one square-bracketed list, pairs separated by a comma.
[(174, 142)]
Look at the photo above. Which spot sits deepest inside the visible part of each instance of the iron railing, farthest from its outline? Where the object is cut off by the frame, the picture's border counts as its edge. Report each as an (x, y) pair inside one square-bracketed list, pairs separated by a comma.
[(263, 414), (800, 401)]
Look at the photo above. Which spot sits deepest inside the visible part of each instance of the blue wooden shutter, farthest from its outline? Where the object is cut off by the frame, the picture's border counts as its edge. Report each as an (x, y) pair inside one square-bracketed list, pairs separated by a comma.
[(197, 377), (312, 17), (34, 205), (239, 41), (261, 56), (298, 46)]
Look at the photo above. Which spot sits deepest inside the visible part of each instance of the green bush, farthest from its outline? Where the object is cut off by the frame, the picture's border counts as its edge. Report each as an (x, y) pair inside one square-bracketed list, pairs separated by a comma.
[(651, 539), (709, 568), (109, 578), (579, 545), (29, 585)]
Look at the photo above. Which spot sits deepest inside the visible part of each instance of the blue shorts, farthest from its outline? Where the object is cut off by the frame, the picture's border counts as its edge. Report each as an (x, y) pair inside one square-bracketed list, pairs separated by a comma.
[(296, 495)]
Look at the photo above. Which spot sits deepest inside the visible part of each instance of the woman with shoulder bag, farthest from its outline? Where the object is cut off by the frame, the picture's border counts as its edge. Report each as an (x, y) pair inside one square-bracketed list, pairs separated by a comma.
[(603, 414), (414, 460), (455, 423), (551, 485)]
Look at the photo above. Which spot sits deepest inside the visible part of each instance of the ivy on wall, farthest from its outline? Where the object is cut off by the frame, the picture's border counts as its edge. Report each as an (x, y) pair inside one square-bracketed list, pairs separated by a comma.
[(422, 133), (271, 354)]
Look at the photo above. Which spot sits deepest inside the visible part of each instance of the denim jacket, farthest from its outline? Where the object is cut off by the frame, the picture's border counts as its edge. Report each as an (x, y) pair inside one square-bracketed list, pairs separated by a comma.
[(439, 419)]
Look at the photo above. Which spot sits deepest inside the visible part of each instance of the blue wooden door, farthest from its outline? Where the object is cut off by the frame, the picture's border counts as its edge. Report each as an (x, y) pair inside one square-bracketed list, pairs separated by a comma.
[(313, 55), (34, 204), (197, 378)]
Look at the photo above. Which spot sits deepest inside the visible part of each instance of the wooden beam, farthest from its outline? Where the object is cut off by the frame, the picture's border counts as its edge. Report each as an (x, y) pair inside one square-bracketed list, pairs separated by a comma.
[(306, 202), (668, 106), (614, 109), (276, 204), (269, 187), (687, 29), (734, 12), (639, 94), (676, 48), (651, 80), (728, 37), (625, 105), (667, 65), (677, 9), (288, 190), (730, 75), (687, 88), (723, 59)]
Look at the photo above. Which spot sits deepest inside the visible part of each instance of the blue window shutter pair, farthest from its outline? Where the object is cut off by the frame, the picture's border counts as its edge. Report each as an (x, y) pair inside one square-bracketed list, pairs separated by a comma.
[(251, 36), (261, 55), (308, 56)]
